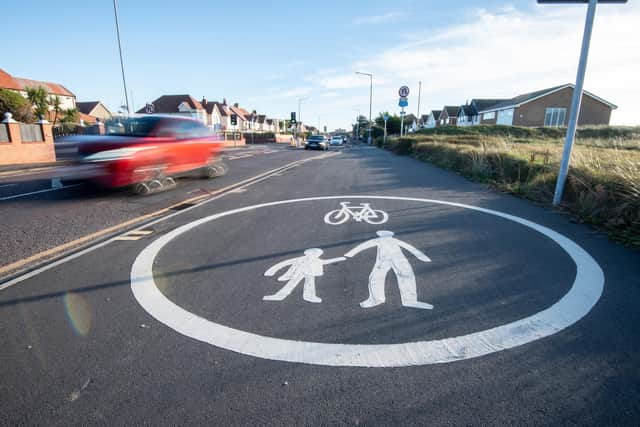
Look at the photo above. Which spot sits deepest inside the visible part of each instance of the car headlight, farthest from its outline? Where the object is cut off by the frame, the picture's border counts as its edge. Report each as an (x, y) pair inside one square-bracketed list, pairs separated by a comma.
[(116, 154)]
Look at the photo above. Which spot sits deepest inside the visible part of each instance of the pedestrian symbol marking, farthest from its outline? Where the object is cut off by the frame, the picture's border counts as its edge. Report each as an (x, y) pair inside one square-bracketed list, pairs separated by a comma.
[(583, 295), (360, 213), (306, 268), (391, 258)]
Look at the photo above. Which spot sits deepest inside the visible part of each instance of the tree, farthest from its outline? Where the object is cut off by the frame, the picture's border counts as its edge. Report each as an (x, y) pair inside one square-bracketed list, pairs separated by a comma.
[(393, 123), (361, 126), (70, 116), (39, 98), (14, 103), (55, 102)]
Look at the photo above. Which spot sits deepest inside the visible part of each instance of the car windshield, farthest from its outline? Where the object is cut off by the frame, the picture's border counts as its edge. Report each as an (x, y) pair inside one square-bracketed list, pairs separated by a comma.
[(132, 126), (316, 138)]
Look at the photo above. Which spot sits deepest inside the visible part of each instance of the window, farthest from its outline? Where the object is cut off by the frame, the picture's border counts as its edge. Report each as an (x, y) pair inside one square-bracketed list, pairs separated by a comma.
[(555, 116), (489, 116)]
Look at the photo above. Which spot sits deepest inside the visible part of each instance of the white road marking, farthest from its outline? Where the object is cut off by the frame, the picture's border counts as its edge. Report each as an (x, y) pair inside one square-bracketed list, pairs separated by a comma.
[(38, 192), (358, 213), (306, 268), (575, 304), (134, 235), (219, 194), (7, 185), (391, 258)]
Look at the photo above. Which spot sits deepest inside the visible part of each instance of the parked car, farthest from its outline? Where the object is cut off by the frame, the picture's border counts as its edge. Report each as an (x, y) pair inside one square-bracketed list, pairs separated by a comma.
[(147, 152), (317, 142), (336, 140)]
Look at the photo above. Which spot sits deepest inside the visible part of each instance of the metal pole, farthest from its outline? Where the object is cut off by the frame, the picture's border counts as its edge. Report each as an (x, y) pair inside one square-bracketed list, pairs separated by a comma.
[(370, 105), (385, 132), (402, 123), (124, 82), (419, 92), (575, 104)]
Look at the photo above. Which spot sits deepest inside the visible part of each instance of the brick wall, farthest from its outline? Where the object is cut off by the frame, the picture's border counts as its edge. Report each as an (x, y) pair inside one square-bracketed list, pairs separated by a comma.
[(592, 111), (18, 151)]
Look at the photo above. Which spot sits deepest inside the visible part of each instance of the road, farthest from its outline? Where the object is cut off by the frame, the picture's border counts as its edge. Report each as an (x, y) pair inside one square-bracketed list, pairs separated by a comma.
[(348, 288)]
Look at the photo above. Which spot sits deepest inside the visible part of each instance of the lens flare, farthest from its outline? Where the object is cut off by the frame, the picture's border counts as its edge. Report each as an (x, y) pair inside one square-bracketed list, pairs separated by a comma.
[(78, 312)]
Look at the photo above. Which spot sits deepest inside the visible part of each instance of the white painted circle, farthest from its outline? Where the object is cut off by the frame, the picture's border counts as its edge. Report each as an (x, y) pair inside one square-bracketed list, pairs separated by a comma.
[(575, 304)]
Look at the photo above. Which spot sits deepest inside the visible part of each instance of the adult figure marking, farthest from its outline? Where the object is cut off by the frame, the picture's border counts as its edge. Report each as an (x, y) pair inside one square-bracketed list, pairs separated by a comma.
[(391, 257)]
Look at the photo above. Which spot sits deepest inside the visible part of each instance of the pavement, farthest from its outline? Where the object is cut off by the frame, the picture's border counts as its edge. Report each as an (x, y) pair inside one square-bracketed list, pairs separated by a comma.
[(352, 287)]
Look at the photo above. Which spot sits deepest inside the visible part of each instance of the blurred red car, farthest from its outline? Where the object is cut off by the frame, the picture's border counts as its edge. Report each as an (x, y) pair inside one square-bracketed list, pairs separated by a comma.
[(147, 151)]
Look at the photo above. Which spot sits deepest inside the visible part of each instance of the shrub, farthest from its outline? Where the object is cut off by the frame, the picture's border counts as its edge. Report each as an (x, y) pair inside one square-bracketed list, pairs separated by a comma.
[(603, 186), (14, 103)]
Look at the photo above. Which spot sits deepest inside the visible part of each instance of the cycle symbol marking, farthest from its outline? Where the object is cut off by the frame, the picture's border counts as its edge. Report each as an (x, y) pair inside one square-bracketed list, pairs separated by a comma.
[(362, 212)]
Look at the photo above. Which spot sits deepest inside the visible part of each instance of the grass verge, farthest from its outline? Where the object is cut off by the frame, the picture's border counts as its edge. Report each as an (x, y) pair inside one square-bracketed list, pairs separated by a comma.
[(603, 185)]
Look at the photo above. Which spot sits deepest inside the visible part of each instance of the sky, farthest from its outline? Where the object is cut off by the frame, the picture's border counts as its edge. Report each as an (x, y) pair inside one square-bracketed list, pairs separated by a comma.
[(266, 55)]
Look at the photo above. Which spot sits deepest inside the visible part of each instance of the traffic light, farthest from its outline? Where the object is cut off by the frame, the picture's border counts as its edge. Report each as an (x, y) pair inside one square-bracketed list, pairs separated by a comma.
[(234, 119), (293, 117)]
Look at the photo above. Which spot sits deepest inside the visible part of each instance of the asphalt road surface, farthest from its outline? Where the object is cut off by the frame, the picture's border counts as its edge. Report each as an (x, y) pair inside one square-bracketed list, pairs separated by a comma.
[(354, 288)]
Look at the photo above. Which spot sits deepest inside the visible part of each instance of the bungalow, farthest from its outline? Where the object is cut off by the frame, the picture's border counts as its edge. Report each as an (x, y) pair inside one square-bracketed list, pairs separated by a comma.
[(466, 115), (449, 115), (92, 110), (546, 107), (411, 122), (181, 105), (20, 85), (433, 119)]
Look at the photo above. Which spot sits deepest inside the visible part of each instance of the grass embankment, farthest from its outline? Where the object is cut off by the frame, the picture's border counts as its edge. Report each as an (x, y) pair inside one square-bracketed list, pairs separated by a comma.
[(603, 186)]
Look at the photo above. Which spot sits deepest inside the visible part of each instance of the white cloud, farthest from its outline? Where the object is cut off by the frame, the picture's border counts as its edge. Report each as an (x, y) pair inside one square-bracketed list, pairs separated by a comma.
[(378, 19), (509, 52)]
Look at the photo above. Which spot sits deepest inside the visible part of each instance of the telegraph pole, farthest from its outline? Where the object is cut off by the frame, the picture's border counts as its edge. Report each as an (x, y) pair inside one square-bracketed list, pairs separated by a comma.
[(124, 81)]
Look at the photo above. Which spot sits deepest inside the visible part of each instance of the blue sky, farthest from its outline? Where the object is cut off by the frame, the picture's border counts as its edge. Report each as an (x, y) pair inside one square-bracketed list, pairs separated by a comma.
[(267, 54)]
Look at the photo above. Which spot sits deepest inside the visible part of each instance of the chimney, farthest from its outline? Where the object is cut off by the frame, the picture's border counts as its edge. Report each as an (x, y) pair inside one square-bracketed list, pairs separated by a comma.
[(224, 101), (204, 101), (236, 105)]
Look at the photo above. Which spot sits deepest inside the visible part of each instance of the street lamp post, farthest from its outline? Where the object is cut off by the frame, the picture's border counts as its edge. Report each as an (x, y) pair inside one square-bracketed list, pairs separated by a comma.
[(299, 123), (124, 82), (370, 101)]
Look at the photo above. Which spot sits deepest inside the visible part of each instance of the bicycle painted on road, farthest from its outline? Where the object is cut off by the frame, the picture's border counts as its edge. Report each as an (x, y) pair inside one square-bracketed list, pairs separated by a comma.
[(360, 213)]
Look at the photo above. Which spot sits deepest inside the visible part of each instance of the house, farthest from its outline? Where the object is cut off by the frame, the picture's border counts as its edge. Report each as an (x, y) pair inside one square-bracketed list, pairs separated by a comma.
[(180, 105), (466, 115), (20, 85), (92, 110), (449, 115), (546, 107), (410, 122), (433, 119)]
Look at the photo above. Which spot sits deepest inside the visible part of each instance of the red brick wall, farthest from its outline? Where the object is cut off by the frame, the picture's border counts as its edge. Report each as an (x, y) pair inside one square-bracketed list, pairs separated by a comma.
[(18, 152), (592, 111)]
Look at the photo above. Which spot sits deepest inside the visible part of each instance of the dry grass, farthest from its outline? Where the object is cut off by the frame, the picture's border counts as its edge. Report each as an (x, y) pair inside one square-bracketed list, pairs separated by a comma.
[(603, 187)]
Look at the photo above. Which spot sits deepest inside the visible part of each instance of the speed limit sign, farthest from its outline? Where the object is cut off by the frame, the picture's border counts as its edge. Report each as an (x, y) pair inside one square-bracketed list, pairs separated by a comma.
[(403, 91)]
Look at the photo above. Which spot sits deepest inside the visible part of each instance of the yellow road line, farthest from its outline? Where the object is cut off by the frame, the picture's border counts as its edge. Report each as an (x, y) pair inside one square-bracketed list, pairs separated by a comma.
[(49, 253)]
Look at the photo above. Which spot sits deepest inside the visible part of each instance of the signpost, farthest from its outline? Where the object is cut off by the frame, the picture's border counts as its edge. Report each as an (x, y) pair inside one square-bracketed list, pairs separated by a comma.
[(385, 117), (404, 102), (577, 91)]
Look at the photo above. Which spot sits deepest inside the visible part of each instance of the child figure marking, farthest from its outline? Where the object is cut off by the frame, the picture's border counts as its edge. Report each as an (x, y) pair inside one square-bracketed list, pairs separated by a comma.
[(306, 268)]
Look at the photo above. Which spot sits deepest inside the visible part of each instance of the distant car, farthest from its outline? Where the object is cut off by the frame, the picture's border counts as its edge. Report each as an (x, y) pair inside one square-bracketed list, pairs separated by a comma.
[(147, 151), (336, 140), (317, 142)]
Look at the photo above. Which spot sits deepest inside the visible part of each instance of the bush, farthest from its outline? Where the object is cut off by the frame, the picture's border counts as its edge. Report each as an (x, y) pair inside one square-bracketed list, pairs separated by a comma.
[(603, 186), (14, 103)]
